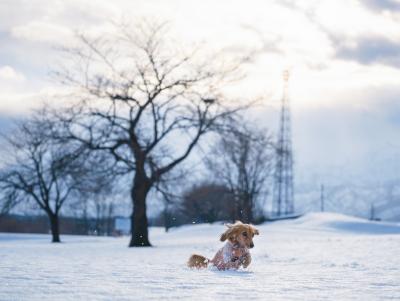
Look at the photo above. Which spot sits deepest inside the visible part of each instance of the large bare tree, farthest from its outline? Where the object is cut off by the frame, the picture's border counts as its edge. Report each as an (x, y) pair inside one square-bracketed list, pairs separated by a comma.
[(38, 170), (146, 102), (241, 160)]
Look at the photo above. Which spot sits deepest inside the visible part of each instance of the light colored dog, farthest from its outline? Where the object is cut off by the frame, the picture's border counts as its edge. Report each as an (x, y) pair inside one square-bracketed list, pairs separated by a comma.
[(235, 252)]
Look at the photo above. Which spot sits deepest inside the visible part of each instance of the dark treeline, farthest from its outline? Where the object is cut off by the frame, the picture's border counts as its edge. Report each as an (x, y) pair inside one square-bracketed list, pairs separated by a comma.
[(68, 225)]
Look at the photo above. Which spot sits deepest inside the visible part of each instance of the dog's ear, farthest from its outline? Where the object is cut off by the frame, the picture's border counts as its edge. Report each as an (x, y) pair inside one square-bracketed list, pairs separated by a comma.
[(223, 237), (228, 233)]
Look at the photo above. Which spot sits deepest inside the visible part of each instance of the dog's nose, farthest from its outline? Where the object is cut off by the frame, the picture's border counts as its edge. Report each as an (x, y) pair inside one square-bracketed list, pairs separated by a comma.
[(251, 245)]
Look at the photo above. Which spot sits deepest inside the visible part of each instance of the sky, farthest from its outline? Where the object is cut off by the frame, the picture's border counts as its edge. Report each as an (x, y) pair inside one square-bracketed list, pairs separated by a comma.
[(343, 57)]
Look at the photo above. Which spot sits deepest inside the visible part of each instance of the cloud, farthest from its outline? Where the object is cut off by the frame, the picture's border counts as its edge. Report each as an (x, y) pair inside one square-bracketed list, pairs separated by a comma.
[(9, 74), (370, 50), (380, 5), (39, 31)]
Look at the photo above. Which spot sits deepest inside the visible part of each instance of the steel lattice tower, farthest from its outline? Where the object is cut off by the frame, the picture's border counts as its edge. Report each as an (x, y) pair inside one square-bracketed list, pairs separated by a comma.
[(283, 196)]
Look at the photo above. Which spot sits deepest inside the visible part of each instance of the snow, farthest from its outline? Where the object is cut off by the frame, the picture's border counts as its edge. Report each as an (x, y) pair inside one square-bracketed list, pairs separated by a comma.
[(321, 256)]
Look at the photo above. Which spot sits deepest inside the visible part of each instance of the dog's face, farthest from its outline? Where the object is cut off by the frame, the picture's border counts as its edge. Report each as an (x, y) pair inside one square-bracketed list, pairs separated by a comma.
[(240, 234)]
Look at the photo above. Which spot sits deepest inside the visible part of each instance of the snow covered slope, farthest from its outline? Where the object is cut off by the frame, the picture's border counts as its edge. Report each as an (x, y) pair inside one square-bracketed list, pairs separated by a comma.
[(345, 224), (317, 257)]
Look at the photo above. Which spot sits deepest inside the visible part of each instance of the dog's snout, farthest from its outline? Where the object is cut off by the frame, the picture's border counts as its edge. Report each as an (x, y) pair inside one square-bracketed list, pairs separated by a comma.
[(251, 245)]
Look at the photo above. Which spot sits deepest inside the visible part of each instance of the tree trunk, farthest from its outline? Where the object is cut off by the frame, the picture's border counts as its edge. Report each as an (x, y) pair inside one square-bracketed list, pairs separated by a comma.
[(166, 218), (238, 211), (248, 210), (139, 223), (55, 229)]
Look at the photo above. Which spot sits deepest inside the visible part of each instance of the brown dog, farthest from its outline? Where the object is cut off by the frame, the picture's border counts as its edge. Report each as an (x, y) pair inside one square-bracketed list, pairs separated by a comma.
[(235, 252)]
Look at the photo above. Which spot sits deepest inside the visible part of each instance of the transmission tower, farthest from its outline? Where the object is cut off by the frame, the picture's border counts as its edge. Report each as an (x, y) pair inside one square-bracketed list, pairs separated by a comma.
[(283, 197)]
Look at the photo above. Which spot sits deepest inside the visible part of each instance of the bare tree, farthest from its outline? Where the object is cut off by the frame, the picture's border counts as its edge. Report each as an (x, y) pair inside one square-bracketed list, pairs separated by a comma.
[(241, 160), (170, 201), (8, 200), (95, 193), (145, 104), (170, 190), (39, 170), (94, 199)]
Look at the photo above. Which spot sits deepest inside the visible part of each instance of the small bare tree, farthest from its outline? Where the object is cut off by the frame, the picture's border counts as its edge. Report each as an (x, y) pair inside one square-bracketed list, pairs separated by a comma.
[(8, 200), (241, 160), (145, 104), (38, 170), (95, 192), (169, 201)]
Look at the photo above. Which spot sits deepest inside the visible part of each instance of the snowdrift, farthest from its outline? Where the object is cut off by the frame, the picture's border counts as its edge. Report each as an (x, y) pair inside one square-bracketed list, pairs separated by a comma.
[(344, 223)]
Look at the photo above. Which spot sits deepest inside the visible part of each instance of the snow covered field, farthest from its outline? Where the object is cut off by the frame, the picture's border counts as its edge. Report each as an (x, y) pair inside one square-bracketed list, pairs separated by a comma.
[(317, 257)]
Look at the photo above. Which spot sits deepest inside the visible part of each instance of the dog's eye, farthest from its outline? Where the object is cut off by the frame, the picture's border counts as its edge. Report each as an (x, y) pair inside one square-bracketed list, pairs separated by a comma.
[(244, 234)]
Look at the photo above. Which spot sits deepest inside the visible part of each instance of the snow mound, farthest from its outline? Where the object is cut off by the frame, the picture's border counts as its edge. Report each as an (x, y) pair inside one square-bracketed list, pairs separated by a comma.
[(345, 223)]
